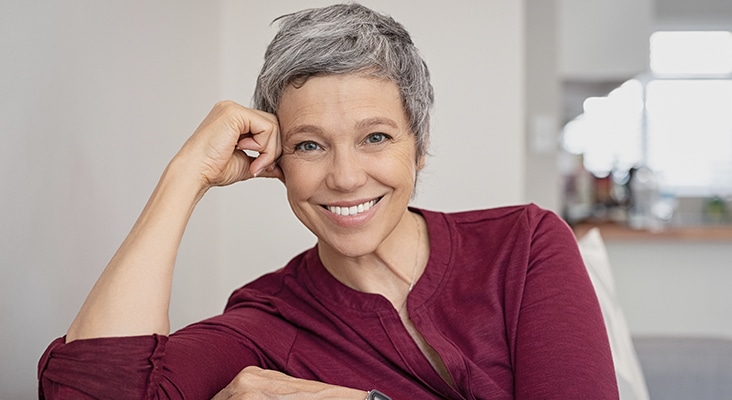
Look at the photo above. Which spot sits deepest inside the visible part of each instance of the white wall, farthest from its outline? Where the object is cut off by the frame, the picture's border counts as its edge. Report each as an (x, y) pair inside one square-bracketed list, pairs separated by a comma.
[(604, 40), (543, 184), (95, 97)]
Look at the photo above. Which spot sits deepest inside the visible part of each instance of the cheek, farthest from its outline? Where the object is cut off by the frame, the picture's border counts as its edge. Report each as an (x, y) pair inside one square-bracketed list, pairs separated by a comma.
[(300, 179), (297, 192), (400, 167)]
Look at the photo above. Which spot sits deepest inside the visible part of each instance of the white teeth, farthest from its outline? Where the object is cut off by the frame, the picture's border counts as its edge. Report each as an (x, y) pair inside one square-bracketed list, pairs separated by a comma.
[(353, 210)]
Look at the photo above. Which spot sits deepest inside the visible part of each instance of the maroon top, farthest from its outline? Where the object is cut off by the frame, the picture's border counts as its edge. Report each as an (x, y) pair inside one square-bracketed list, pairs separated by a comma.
[(505, 300)]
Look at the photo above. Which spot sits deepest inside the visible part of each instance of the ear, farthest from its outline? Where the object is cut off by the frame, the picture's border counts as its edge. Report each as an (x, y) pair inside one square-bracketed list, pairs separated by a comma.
[(421, 160)]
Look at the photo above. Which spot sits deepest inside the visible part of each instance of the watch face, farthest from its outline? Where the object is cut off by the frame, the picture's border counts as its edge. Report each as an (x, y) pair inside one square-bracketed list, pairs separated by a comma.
[(376, 395)]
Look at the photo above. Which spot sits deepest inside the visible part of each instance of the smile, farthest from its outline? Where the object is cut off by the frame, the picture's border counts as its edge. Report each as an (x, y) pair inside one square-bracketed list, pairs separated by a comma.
[(352, 210)]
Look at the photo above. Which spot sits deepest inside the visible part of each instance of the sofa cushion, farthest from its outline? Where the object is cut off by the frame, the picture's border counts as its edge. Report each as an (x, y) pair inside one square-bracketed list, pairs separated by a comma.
[(631, 382)]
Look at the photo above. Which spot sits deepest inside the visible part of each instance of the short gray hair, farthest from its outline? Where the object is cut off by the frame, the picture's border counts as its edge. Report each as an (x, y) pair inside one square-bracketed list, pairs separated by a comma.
[(342, 39)]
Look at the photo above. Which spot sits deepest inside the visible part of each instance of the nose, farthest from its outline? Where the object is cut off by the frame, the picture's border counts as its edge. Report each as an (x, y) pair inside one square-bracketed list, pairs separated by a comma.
[(347, 172)]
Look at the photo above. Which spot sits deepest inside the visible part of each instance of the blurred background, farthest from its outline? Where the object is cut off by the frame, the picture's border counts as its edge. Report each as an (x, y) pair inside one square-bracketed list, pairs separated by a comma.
[(611, 113)]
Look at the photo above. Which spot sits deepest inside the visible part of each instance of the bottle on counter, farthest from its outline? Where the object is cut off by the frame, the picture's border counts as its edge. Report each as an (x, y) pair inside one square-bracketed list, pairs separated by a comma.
[(644, 195), (578, 191)]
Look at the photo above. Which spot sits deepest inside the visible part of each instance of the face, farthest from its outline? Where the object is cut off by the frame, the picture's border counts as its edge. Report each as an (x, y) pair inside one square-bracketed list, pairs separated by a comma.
[(348, 159)]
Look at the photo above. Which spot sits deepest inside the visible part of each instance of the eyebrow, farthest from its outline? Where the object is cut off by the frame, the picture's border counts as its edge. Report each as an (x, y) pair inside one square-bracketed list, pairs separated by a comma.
[(364, 123), (303, 128)]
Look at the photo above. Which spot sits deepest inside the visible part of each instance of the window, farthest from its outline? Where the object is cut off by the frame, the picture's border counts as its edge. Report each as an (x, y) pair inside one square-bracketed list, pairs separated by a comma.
[(675, 119), (689, 134), (691, 53)]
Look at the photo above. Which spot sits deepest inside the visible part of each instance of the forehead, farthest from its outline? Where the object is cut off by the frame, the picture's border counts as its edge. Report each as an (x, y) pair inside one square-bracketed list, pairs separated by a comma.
[(340, 101)]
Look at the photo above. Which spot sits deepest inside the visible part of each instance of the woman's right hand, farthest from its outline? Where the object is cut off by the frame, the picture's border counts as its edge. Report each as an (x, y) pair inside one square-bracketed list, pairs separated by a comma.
[(215, 151)]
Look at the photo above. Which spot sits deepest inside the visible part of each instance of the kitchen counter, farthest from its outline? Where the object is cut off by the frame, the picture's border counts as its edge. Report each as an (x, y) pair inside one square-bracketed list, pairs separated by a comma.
[(616, 232)]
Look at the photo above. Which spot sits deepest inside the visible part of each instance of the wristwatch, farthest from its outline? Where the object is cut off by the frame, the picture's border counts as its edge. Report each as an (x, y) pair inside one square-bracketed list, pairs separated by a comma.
[(376, 395)]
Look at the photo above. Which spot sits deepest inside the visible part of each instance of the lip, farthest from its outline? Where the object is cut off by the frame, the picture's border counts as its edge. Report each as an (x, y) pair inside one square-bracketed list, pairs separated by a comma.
[(351, 219), (353, 203)]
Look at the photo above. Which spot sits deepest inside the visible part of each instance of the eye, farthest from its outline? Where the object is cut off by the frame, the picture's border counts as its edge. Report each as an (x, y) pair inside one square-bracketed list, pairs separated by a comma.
[(377, 137), (307, 146)]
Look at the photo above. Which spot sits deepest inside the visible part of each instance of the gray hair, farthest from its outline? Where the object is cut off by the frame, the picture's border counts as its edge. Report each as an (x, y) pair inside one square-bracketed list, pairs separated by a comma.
[(342, 39)]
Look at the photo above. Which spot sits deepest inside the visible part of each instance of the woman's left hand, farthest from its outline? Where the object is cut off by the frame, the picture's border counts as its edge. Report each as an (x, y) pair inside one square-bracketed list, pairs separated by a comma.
[(254, 383)]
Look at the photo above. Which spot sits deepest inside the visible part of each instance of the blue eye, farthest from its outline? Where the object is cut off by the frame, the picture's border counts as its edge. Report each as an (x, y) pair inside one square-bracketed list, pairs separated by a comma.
[(307, 146), (377, 137)]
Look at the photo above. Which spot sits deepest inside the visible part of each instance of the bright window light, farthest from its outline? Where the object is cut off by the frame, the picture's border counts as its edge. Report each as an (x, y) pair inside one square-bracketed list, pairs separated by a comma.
[(608, 133), (677, 121), (691, 53), (690, 134)]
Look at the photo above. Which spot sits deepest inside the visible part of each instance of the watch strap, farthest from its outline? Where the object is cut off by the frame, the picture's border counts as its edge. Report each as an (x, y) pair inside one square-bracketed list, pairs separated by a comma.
[(376, 395)]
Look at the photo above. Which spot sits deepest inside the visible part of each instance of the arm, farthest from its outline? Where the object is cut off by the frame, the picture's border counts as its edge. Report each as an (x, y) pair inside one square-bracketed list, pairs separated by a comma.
[(117, 346), (562, 350), (132, 295)]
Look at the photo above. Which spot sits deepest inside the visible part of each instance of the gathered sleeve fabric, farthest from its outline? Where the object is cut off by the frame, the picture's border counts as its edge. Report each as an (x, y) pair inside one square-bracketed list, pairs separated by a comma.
[(88, 369), (195, 362)]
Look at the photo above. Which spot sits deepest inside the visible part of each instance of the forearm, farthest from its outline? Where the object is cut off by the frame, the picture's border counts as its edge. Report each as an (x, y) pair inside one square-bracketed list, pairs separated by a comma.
[(132, 295)]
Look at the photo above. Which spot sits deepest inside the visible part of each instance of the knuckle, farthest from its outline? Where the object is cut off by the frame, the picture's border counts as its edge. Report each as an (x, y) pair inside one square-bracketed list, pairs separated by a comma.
[(253, 370), (226, 105), (269, 117), (246, 379)]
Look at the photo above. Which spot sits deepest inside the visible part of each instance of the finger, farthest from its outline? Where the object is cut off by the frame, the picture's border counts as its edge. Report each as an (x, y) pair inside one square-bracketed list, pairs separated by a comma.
[(248, 143), (269, 151), (255, 129), (237, 169), (272, 171)]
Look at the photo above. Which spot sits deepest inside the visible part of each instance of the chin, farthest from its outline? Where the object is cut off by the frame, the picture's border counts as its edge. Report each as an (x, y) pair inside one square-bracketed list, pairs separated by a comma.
[(352, 248)]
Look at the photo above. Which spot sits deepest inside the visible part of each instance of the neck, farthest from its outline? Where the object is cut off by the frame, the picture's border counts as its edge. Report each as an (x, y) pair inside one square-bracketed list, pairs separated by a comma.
[(392, 269)]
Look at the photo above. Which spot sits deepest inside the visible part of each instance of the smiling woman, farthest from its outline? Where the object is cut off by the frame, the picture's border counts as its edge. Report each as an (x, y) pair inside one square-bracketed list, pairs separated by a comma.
[(393, 300)]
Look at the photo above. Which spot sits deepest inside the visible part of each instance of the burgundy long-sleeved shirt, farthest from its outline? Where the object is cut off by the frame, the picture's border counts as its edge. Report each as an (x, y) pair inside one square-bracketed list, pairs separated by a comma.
[(505, 300)]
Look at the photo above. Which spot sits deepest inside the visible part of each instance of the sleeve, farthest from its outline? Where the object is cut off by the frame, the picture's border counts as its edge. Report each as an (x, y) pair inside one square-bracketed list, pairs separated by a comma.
[(101, 368), (562, 350), (195, 363)]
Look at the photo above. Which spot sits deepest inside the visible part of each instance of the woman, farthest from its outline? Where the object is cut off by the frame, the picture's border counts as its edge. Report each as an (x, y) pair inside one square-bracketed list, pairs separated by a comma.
[(488, 304)]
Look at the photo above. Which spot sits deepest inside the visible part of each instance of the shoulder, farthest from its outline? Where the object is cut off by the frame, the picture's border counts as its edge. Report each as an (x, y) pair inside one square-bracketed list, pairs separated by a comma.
[(267, 288), (526, 218)]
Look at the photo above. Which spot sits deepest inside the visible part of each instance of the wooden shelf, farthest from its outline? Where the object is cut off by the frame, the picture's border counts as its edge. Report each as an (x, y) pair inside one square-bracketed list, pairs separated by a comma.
[(616, 232)]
